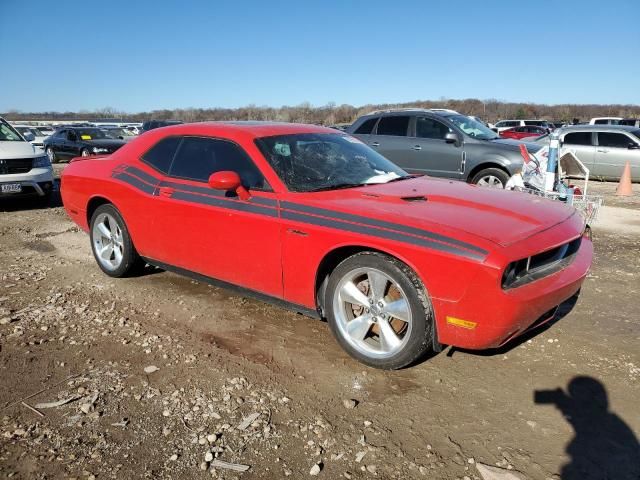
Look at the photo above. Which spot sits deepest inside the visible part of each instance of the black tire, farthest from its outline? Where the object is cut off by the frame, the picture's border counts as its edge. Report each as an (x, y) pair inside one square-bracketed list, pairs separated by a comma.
[(45, 200), (131, 263), (491, 172), (52, 155), (421, 335)]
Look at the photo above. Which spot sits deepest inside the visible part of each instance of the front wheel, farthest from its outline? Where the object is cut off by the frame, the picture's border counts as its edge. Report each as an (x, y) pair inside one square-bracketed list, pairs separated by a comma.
[(491, 177), (111, 243), (379, 311)]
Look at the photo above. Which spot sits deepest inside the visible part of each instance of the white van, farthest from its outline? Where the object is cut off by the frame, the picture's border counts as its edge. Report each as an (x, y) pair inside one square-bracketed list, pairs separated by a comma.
[(24, 169)]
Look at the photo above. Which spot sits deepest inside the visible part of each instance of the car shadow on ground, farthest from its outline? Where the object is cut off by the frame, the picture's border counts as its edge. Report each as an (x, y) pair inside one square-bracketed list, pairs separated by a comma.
[(604, 446), (563, 310), (19, 203)]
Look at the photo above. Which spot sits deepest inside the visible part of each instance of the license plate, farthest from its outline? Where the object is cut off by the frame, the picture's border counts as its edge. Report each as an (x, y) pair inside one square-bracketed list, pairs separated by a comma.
[(10, 188)]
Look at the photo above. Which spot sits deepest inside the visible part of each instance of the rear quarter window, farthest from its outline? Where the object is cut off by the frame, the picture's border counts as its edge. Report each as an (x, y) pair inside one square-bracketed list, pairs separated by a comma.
[(161, 154)]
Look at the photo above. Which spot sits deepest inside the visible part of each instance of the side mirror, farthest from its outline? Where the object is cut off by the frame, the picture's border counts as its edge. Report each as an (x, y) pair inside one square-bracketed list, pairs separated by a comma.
[(452, 137), (29, 137), (633, 146), (230, 182)]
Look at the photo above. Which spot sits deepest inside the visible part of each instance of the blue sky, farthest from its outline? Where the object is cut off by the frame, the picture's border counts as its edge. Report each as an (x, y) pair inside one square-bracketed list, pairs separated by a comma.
[(136, 55)]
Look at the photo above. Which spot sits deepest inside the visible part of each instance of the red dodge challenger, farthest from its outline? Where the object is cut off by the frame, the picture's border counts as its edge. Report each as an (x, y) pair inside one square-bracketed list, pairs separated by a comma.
[(314, 219)]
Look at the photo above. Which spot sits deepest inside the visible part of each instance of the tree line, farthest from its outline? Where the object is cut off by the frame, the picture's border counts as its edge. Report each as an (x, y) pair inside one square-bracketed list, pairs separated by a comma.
[(332, 114)]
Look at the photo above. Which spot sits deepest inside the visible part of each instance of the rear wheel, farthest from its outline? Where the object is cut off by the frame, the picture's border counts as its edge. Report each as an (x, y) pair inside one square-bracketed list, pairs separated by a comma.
[(85, 152), (379, 311), (111, 243), (491, 177)]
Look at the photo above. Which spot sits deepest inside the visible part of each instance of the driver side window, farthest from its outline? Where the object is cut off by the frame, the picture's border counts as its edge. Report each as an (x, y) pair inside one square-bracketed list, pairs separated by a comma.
[(71, 136), (198, 157)]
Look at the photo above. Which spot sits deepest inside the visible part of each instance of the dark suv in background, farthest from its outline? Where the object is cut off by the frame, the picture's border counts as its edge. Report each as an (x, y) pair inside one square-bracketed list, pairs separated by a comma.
[(442, 143), (151, 124)]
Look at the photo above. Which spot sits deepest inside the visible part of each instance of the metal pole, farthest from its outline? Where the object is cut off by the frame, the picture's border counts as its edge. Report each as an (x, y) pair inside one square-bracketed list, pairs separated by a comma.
[(552, 162)]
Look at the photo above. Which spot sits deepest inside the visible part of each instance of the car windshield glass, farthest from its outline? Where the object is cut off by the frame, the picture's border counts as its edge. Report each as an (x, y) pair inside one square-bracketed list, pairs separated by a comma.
[(90, 134), (8, 133), (472, 127), (309, 162)]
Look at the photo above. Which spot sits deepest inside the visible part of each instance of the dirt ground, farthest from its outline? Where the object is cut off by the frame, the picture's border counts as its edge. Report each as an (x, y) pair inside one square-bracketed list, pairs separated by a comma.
[(165, 377)]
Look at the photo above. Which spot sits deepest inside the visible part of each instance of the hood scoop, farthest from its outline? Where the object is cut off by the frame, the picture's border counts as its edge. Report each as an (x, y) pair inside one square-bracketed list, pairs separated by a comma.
[(414, 198)]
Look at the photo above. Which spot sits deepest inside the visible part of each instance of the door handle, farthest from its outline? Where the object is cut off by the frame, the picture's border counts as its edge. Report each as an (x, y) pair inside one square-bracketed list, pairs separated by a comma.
[(416, 147), (602, 150), (166, 191), (375, 144)]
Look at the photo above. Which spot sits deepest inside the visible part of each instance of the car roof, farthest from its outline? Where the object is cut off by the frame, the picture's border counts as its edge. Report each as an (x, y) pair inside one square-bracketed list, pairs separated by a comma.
[(251, 128), (404, 111), (596, 128)]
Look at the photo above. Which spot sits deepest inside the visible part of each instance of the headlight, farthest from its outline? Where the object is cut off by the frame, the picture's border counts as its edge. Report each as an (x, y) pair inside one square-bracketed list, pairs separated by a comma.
[(100, 150), (41, 162)]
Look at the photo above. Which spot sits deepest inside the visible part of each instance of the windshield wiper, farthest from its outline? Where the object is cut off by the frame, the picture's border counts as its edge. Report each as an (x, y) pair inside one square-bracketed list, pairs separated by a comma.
[(406, 177), (339, 186)]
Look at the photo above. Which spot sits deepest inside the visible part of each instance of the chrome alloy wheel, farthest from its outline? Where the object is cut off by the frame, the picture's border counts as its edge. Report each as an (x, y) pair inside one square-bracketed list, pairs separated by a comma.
[(372, 313), (108, 243), (51, 155), (85, 152), (490, 181)]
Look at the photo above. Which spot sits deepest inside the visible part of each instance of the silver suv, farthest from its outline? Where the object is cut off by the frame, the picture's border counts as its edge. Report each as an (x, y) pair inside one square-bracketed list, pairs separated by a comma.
[(442, 143), (24, 169)]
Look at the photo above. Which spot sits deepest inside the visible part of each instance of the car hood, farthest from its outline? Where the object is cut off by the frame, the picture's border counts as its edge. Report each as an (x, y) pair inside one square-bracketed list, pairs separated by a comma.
[(514, 145), (17, 150), (499, 216), (105, 142)]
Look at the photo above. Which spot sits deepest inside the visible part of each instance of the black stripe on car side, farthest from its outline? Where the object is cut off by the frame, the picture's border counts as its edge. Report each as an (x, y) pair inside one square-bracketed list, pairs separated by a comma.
[(374, 232), (192, 188), (224, 203), (336, 220), (383, 224), (134, 182), (142, 175)]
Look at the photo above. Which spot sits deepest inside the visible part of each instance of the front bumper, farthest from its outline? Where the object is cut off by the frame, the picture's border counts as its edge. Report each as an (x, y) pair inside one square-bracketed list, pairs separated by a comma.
[(492, 316), (37, 181)]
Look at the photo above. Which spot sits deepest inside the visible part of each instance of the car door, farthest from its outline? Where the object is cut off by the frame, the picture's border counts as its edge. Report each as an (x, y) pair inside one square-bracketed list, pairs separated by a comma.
[(612, 152), (427, 150), (56, 142), (215, 233), (581, 144), (71, 144), (390, 138)]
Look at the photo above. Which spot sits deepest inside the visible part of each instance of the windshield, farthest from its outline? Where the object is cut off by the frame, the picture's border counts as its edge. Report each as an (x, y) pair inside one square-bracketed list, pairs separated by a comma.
[(472, 127), (8, 133), (308, 162), (90, 134)]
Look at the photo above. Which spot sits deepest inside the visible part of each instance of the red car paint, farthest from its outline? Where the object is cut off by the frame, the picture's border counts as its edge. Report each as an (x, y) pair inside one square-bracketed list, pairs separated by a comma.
[(523, 132), (459, 238)]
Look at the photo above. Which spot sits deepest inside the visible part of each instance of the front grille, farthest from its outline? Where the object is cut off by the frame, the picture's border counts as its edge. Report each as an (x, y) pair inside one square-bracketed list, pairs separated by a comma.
[(540, 265), (15, 165)]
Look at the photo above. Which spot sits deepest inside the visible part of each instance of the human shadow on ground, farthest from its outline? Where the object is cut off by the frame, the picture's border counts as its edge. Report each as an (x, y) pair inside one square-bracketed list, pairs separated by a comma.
[(604, 446)]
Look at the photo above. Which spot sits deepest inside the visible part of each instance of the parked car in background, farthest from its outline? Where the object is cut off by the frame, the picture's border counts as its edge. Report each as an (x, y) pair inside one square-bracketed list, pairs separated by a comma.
[(605, 121), (118, 133), (631, 122), (441, 144), (31, 135), (520, 133), (45, 131), (70, 142), (24, 169), (507, 124), (152, 124), (311, 218), (604, 149)]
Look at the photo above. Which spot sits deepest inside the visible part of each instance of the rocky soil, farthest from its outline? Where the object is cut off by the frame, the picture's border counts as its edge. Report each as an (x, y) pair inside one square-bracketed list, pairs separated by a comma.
[(162, 377)]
